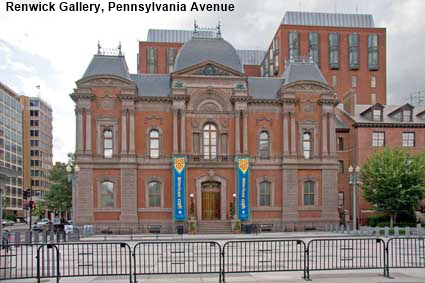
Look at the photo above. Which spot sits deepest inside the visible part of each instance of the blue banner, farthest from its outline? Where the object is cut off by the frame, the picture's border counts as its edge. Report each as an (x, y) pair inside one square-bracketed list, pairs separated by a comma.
[(179, 188), (243, 188)]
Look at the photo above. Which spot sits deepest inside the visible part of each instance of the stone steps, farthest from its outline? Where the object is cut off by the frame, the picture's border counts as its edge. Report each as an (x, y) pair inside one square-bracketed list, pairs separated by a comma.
[(214, 227)]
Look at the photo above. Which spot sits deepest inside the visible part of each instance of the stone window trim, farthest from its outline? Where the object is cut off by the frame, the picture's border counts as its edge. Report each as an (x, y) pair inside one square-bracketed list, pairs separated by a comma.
[(147, 140), (99, 181), (312, 128), (272, 182), (103, 124), (315, 190), (268, 131), (160, 180)]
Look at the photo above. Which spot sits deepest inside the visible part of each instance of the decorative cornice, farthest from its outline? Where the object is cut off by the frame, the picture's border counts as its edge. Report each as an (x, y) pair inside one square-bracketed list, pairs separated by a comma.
[(75, 96), (265, 101), (330, 101), (388, 125), (240, 98), (181, 97), (154, 99), (289, 100)]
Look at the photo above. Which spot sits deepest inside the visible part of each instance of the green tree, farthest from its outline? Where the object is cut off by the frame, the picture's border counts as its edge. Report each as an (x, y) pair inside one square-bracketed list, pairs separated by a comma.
[(59, 196), (394, 181)]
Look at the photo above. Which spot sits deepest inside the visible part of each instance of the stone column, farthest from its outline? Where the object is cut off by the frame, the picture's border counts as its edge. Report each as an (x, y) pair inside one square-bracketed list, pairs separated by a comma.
[(80, 130), (293, 135), (175, 129), (289, 195), (285, 135), (88, 131), (245, 131), (238, 132), (332, 135), (124, 131), (183, 131), (132, 147), (85, 188), (324, 134), (330, 195)]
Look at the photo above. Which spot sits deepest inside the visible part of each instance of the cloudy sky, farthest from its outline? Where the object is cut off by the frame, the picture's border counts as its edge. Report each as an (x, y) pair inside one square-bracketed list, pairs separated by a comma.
[(53, 49)]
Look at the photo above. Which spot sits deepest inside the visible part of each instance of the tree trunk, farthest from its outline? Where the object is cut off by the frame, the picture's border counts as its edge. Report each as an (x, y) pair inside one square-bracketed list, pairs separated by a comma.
[(392, 216)]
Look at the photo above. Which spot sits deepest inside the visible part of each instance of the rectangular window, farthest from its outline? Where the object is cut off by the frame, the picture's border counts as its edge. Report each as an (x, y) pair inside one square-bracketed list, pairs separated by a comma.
[(373, 82), (151, 60), (333, 50), (34, 123), (154, 189), (34, 142), (353, 81), (377, 115), (313, 40), (340, 142), (373, 98), (107, 194), (372, 52), (408, 139), (341, 199), (34, 113), (353, 49), (34, 133), (341, 166), (309, 193), (294, 46), (171, 55), (407, 116), (265, 193), (196, 143), (378, 139)]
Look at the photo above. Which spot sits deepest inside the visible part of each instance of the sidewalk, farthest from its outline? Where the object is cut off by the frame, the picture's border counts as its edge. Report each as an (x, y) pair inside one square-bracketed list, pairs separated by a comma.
[(349, 276)]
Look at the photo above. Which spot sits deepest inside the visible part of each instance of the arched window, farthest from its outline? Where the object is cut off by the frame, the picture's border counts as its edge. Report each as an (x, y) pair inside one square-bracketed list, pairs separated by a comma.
[(308, 193), (154, 144), (264, 145), (265, 193), (307, 145), (210, 141), (107, 143), (154, 193), (107, 194)]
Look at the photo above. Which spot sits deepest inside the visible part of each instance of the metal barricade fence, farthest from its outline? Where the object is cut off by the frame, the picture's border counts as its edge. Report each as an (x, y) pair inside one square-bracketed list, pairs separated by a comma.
[(48, 262), (263, 256), (343, 254), (18, 261), (155, 258), (405, 253)]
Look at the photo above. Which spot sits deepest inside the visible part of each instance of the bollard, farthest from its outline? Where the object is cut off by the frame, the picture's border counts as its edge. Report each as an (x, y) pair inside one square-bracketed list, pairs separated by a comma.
[(52, 237), (17, 238), (386, 232), (337, 228), (396, 232), (377, 232), (36, 237), (27, 237), (44, 237), (369, 231), (407, 231)]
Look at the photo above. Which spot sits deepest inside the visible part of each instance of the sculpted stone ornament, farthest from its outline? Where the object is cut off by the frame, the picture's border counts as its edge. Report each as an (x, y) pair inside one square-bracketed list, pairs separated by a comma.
[(209, 107), (178, 84), (308, 106), (153, 118), (210, 70), (264, 119), (106, 102)]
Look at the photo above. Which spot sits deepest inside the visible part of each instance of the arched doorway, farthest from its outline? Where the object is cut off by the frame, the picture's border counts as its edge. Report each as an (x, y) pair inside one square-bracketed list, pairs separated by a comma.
[(211, 203)]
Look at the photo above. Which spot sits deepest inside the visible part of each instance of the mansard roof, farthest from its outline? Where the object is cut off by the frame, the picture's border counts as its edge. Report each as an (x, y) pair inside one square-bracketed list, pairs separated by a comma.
[(107, 65), (263, 87), (198, 50), (302, 71), (152, 84), (328, 19), (360, 109)]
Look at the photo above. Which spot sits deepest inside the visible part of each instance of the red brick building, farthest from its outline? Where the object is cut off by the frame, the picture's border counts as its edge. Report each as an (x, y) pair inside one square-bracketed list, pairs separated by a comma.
[(203, 127)]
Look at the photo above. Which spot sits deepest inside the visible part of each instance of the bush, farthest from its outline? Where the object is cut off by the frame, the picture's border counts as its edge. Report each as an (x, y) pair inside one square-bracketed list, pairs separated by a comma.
[(374, 220), (383, 224), (9, 216)]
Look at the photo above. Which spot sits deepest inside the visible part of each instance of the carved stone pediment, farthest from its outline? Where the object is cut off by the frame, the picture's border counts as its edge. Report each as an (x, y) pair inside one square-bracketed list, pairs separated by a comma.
[(307, 86), (208, 107), (106, 102), (106, 81), (209, 70)]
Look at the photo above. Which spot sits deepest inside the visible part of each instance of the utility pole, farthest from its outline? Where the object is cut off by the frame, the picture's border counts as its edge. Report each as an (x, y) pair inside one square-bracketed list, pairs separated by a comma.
[(30, 228), (1, 211)]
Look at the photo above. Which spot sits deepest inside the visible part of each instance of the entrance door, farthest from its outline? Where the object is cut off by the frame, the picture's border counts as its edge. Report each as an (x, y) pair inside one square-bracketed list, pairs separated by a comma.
[(210, 205), (211, 200)]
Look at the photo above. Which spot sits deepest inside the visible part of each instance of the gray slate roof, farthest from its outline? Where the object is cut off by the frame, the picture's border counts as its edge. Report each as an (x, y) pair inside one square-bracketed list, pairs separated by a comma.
[(328, 19), (152, 84), (107, 65), (360, 108), (198, 50), (264, 88), (251, 57), (247, 57), (340, 123), (303, 71)]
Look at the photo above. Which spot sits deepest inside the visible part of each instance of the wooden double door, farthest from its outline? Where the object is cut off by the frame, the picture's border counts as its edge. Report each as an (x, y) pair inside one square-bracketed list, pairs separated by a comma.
[(211, 201)]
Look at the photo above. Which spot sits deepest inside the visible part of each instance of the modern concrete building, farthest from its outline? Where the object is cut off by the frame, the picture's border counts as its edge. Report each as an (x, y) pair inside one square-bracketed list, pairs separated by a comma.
[(11, 155), (37, 145)]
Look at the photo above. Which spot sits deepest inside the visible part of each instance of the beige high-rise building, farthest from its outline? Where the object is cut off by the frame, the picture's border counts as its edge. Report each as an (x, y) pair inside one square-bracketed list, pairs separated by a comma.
[(37, 144)]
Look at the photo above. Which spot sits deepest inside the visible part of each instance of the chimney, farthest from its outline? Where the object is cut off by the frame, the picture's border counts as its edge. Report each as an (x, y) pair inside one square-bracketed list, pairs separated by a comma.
[(349, 101)]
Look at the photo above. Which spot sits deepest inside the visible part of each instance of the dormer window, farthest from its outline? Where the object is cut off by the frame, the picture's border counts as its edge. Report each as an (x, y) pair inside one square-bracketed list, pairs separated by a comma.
[(377, 115), (407, 116)]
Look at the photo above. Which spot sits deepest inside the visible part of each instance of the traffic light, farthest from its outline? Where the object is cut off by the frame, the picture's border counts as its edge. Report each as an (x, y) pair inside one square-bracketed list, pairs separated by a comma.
[(32, 204), (25, 194)]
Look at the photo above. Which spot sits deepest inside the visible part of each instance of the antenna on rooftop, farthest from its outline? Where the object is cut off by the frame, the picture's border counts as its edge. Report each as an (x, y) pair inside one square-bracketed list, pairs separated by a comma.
[(218, 34), (119, 49), (417, 98), (99, 48)]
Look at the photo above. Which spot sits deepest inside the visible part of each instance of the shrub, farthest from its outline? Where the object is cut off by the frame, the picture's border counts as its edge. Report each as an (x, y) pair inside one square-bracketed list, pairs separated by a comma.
[(9, 216), (374, 220)]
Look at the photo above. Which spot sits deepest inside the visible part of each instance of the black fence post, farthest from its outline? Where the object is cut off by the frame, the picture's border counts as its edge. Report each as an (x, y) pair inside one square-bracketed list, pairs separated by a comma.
[(307, 262)]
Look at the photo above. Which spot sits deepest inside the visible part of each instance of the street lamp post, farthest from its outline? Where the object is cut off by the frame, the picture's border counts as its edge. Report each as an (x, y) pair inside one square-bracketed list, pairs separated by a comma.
[(234, 205), (72, 174), (354, 180), (192, 206)]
